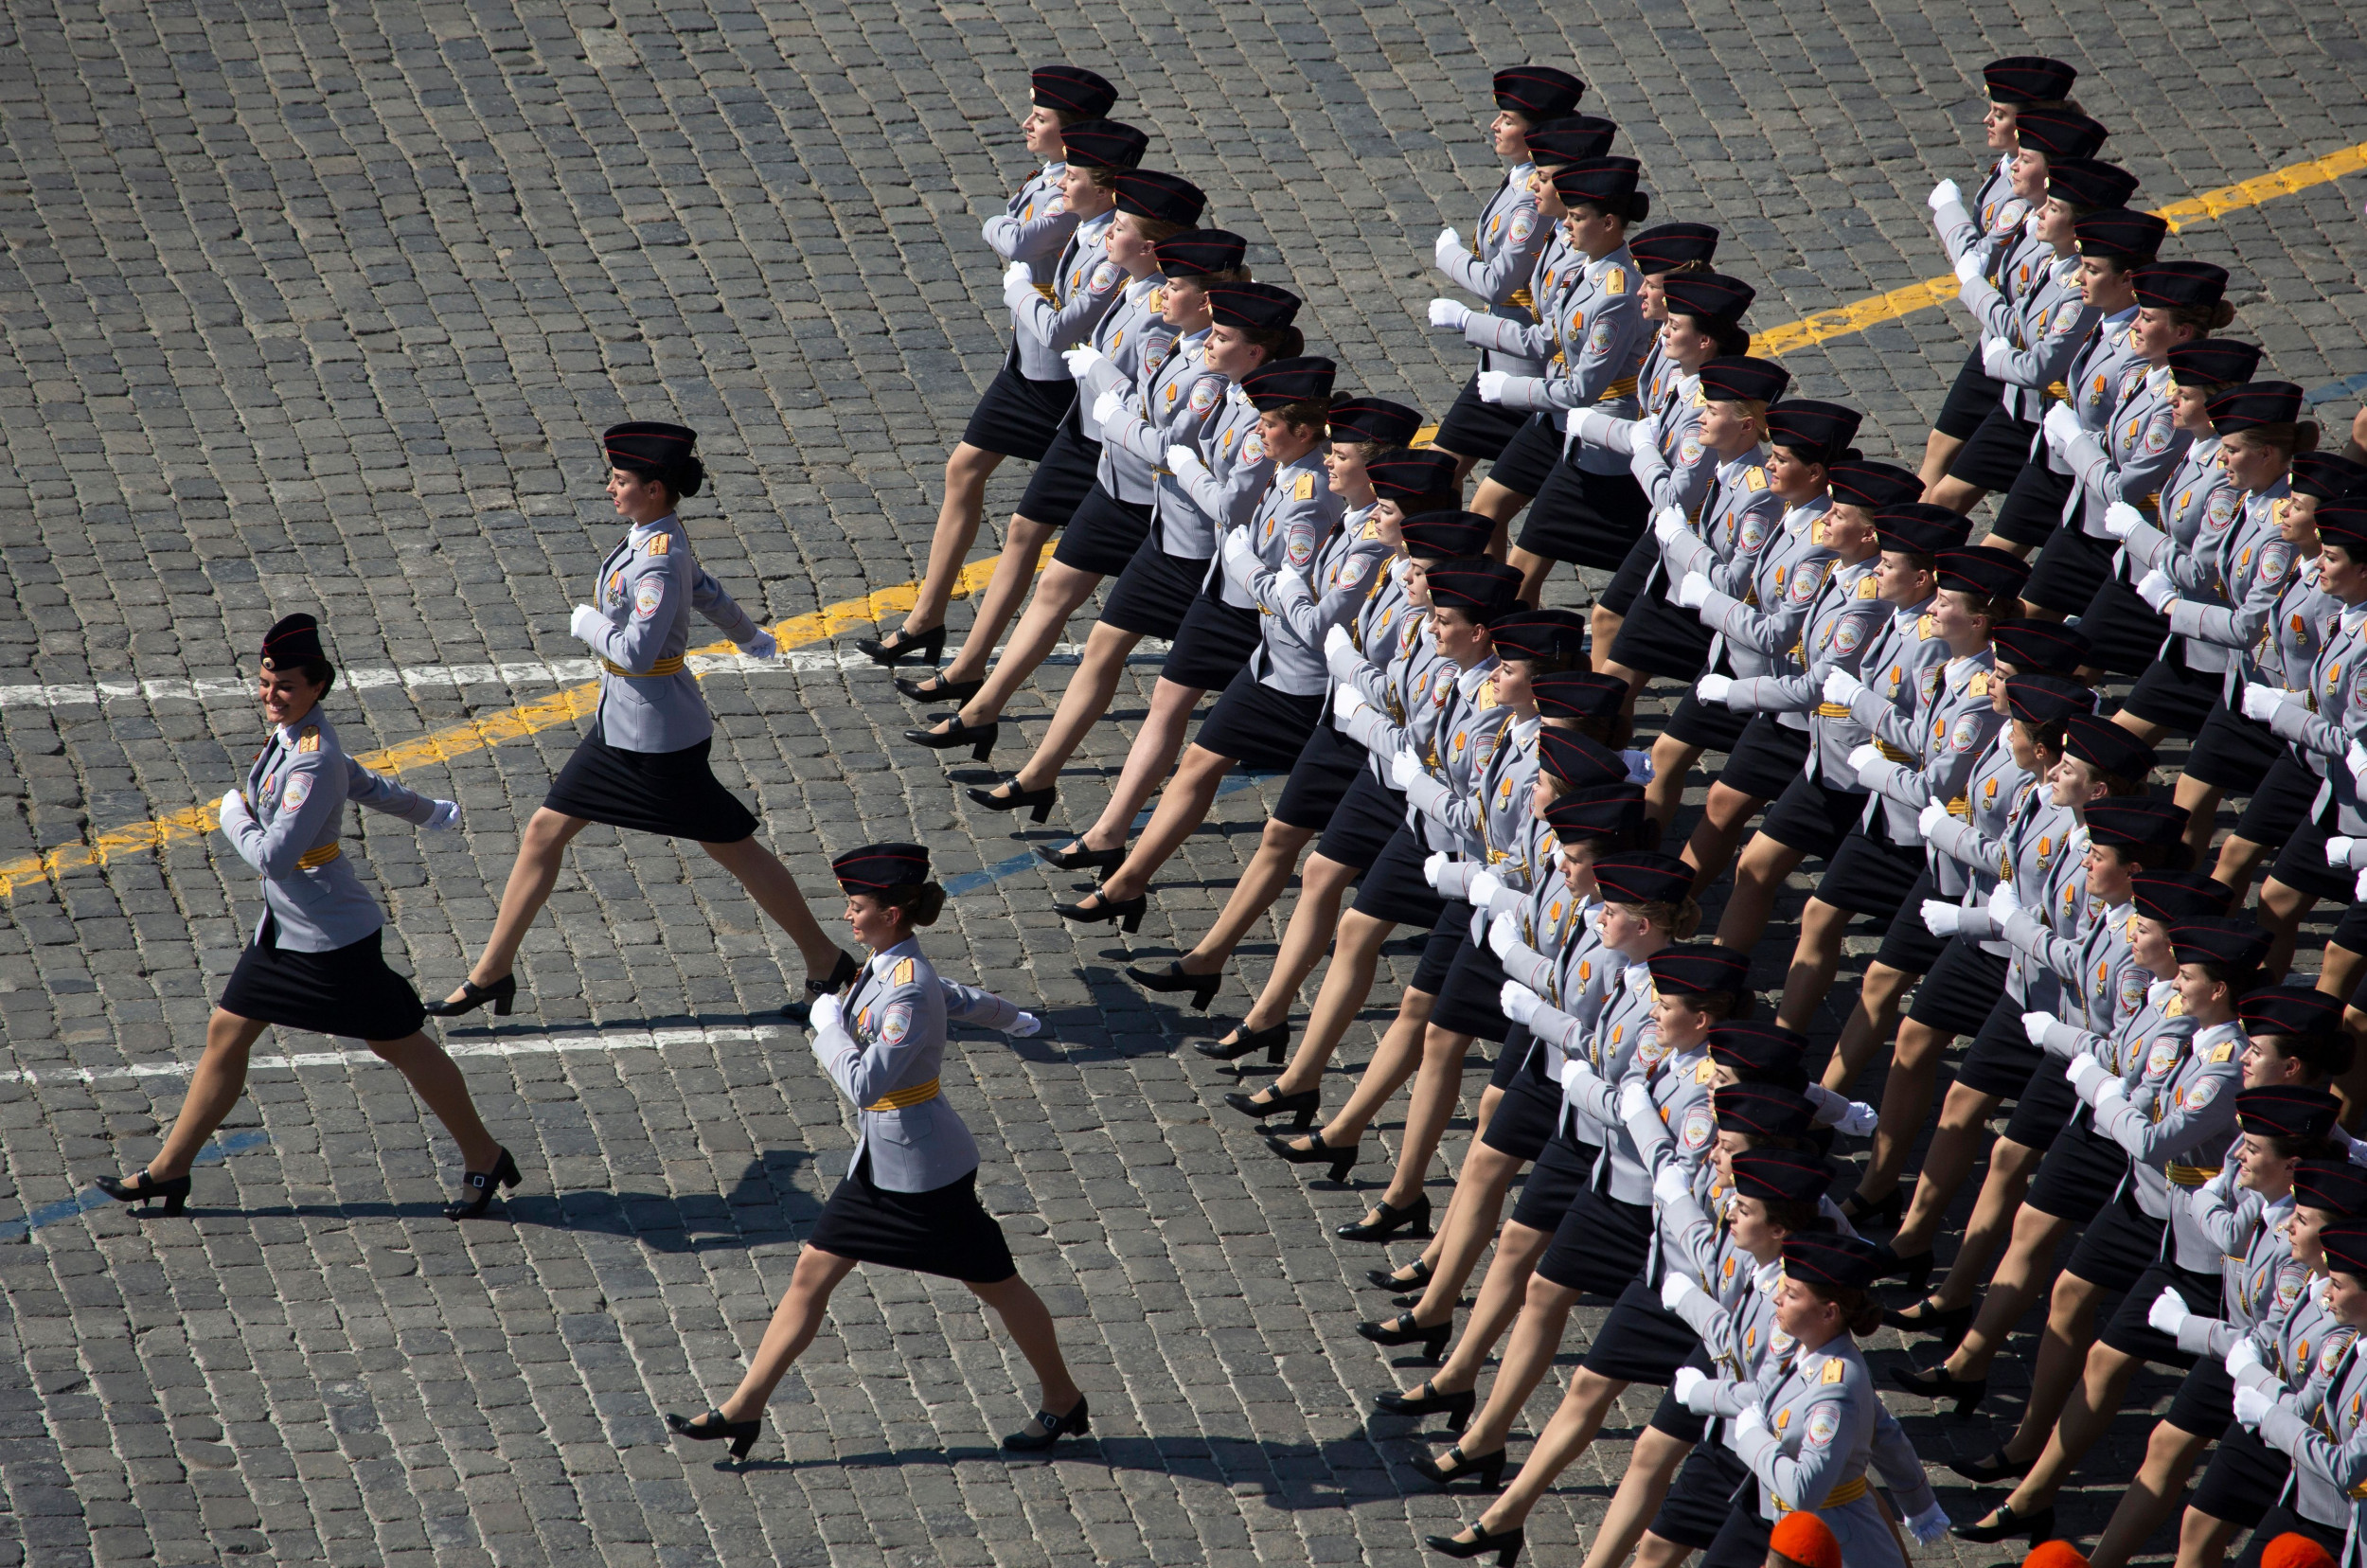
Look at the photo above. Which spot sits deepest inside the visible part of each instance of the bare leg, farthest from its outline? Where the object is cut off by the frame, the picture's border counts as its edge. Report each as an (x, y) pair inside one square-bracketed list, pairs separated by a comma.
[(1906, 1102), (1058, 592), (1954, 494), (2020, 551), (1814, 960), (1955, 1143), (1500, 1298), (2202, 1540), (795, 1321), (1499, 502), (1082, 703), (958, 516), (2029, 1259), (1024, 545), (1395, 1060), (1262, 882), (1653, 1552), (1354, 955), (2202, 806), (436, 1078), (1938, 451), (1712, 847), (1534, 569), (1603, 625), (532, 876), (1653, 1466), (2170, 1456), (1672, 760), (1311, 929), (1478, 1201), (213, 1092), (1529, 1356), (2095, 1398), (1463, 466), (1568, 1435), (1992, 1222), (1871, 1019), (2029, 610), (2239, 861), (1182, 809), (774, 890), (2063, 1365), (2281, 908), (1437, 1086), (1759, 877), (1029, 1324), (1148, 761), (2144, 729)]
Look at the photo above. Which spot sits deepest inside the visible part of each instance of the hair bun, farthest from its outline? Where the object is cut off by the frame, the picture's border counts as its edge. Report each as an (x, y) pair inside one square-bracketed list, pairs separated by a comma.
[(687, 477)]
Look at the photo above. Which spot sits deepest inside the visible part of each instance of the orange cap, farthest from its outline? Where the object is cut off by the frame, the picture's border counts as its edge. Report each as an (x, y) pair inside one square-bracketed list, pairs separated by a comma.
[(1805, 1538), (2295, 1550), (2056, 1553)]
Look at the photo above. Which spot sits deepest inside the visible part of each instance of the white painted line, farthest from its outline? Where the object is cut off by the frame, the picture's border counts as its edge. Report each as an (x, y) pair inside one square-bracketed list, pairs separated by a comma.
[(514, 1046)]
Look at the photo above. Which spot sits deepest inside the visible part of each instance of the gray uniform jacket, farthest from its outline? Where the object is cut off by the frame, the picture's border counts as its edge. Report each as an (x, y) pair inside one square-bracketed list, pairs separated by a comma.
[(647, 589), (1951, 730), (2297, 628), (1047, 317), (2200, 504), (1822, 1431), (1132, 340), (1443, 801), (2100, 975), (2326, 736), (1976, 840), (2042, 326), (884, 1055), (1678, 1128), (2322, 1426), (1235, 454), (1758, 624), (297, 791), (2254, 563), (1402, 714), (1900, 668), (1288, 522), (2176, 1118), (1033, 226), (1595, 332), (1673, 466), (1554, 922), (1842, 624), (1609, 1027), (2259, 1277), (2131, 459), (1740, 517), (1297, 607), (1515, 845), (2298, 1338), (1178, 397), (1506, 243), (1992, 221), (2093, 379)]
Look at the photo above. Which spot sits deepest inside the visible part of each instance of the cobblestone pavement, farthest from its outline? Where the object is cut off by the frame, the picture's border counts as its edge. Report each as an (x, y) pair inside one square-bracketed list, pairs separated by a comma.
[(319, 307)]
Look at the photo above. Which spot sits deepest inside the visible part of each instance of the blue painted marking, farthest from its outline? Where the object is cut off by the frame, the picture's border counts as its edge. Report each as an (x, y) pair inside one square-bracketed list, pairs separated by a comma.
[(2348, 388), (970, 881), (49, 1214)]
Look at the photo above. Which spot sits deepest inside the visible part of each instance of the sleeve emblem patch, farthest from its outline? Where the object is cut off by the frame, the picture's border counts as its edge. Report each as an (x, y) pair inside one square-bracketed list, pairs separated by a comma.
[(646, 596), (1823, 1421), (896, 1024), (1204, 395), (300, 790), (1104, 275), (1523, 225)]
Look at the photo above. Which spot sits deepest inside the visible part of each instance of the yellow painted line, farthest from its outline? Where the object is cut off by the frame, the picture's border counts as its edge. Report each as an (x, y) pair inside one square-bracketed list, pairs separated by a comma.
[(802, 630), (469, 736)]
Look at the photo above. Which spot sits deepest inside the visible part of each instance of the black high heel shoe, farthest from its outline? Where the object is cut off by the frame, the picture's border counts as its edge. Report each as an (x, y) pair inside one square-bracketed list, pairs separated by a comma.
[(1244, 1041), (1128, 912), (502, 993), (1402, 1329), (1075, 1424), (1079, 857), (1341, 1159), (1916, 1270), (711, 1427), (1939, 1383), (1202, 987), (1885, 1210), (980, 740), (147, 1191), (939, 690), (1490, 1467), (1386, 1279), (1507, 1544), (1038, 803), (842, 974), (1949, 1323), (2003, 1522), (1992, 1470), (481, 1183), (900, 644), (1422, 1399), (1301, 1106), (1388, 1220)]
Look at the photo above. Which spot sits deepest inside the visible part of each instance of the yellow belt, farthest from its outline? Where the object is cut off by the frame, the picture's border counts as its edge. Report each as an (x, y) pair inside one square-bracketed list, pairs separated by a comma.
[(664, 667), (2190, 1176), (1526, 300), (1848, 1492), (1960, 807), (1620, 389), (315, 860), (1830, 710), (904, 1099)]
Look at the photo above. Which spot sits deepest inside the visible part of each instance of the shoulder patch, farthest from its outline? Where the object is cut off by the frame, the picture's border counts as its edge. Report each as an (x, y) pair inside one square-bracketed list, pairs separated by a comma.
[(658, 543), (1305, 488), (1835, 1370), (311, 739), (2220, 1052), (1615, 281), (902, 973), (1754, 478), (1865, 587)]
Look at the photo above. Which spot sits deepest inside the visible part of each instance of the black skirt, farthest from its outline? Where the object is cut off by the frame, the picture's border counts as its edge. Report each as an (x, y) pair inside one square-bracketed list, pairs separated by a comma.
[(1326, 767), (2281, 802), (1812, 818), (2125, 634), (1712, 726), (1103, 535), (2301, 864), (1908, 945), (2131, 1335), (944, 1231), (1449, 935), (348, 991), (1472, 1000), (2173, 696), (1560, 1173), (1524, 1117), (1064, 477), (1869, 875), (2205, 1405), (2119, 1247), (1642, 1342), (2044, 1106), (2244, 1477), (1701, 1498), (1970, 399), (2284, 1520), (2001, 1057), (1618, 596), (1591, 519), (1367, 817), (672, 792), (2070, 567), (2078, 1175), (2350, 934), (1474, 426), (1600, 1246), (1153, 592), (1767, 758), (1257, 726), (1529, 459), (2234, 754), (1212, 646), (1993, 457), (1660, 639), (1674, 1420), (2032, 511), (1019, 417), (1742, 1535), (1394, 888), (1957, 996)]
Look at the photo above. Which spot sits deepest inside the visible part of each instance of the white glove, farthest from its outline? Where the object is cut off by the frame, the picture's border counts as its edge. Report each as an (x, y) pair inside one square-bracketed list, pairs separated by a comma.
[(2111, 1089), (1928, 1525), (1860, 755), (2121, 520), (1337, 644), (1668, 523), (1433, 866), (1634, 1100), (2355, 759), (2156, 589), (1404, 769), (1576, 1074), (2003, 905), (762, 646), (1491, 385), (1668, 1185), (1932, 814), (586, 623), (1448, 243), (1941, 918), (1518, 1002), (2083, 1071), (1448, 315), (1183, 459), (2168, 1311), (1018, 272), (1713, 688), (1689, 1380), (2034, 1030), (2262, 702), (2359, 889), (2061, 426), (1694, 592), (1484, 885), (1027, 1023), (1944, 194), (1859, 1120), (1081, 360), (447, 814), (1347, 702), (1751, 1420), (2251, 1405), (2242, 1354), (1504, 933), (233, 808), (2339, 851), (1842, 687), (1994, 353), (1968, 266), (1241, 556), (827, 1013), (1106, 405)]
